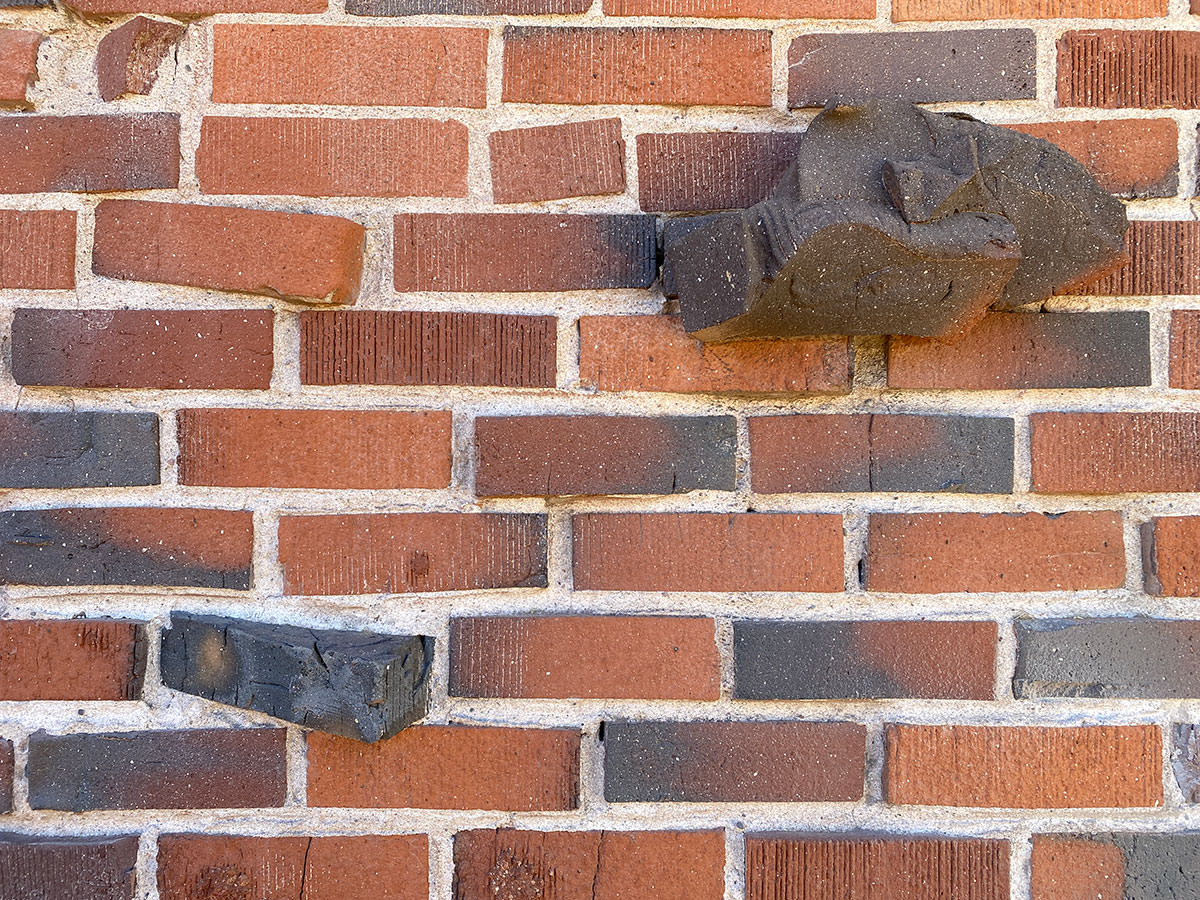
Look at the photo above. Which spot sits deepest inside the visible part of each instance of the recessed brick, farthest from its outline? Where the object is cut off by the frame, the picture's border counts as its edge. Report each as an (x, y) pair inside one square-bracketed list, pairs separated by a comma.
[(1024, 767), (733, 762), (1112, 69), (950, 10), (707, 552), (69, 449), (760, 9), (1185, 349), (448, 767), (71, 659), (128, 57), (1171, 556), (63, 868), (932, 553), (1114, 866), (39, 249), (18, 65), (548, 162), (411, 552), (1164, 258)]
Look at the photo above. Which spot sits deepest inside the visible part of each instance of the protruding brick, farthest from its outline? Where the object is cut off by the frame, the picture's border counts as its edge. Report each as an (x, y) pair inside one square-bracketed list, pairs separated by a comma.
[(297, 256), (985, 10), (61, 868), (18, 66), (128, 57), (1149, 69), (651, 657), (401, 553), (523, 252), (733, 762), (1185, 349), (707, 552), (350, 65), (215, 768), (314, 448), (1018, 351), (1171, 556), (669, 66), (399, 347), (550, 455), (547, 162), (332, 157), (127, 545), (71, 659), (1164, 258), (448, 767), (37, 249), (760, 9), (78, 449), (857, 660), (133, 348), (1115, 866), (129, 152), (654, 353), (932, 553), (1024, 767), (881, 453)]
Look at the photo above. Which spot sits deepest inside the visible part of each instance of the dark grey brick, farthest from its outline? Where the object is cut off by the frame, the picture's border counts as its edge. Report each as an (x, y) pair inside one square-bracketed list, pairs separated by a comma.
[(78, 449), (91, 868)]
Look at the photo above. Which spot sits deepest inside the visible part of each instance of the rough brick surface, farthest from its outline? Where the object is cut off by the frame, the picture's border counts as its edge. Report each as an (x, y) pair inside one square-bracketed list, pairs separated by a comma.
[(128, 57), (760, 9), (1149, 69), (18, 66), (1129, 157), (195, 8), (64, 868), (1185, 350), (934, 10), (1164, 258), (1115, 866), (71, 659), (7, 772), (37, 249), (1171, 556), (465, 7), (63, 450), (548, 162)]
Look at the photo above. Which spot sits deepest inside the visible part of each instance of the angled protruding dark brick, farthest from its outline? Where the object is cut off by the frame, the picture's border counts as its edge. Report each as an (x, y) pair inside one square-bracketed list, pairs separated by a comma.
[(78, 449), (57, 868)]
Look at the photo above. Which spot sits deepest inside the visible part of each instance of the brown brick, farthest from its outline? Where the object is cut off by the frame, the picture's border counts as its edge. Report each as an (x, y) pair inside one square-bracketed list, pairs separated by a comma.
[(62, 868), (931, 553), (707, 552), (670, 66), (548, 162), (448, 767), (127, 348), (1185, 349), (297, 256), (314, 448), (1018, 351), (332, 157), (1171, 553), (1066, 867), (128, 57), (18, 65), (192, 866), (759, 9), (548, 455), (408, 348), (1112, 69), (350, 65), (1024, 767), (88, 153), (37, 249), (654, 353), (71, 659), (195, 8), (523, 252), (602, 865), (652, 657), (1164, 258), (411, 552), (985, 10)]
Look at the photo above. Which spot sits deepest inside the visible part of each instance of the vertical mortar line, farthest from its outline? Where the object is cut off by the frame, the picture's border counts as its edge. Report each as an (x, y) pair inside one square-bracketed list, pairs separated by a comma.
[(591, 769), (1020, 865), (20, 794), (1160, 346), (85, 226), (462, 458), (8, 382), (439, 673), (870, 363), (855, 529), (875, 759), (735, 862), (155, 694), (1006, 657), (495, 65), (633, 182), (266, 580), (743, 485), (1131, 522), (297, 768), (198, 51), (568, 346), (726, 661), (559, 573), (1022, 452), (1189, 151), (285, 371), (168, 447), (1046, 50), (479, 161), (147, 863), (780, 41), (441, 862), (1172, 793)]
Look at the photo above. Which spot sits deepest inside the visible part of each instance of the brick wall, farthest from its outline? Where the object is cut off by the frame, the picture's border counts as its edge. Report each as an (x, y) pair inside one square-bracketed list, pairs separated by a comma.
[(347, 316)]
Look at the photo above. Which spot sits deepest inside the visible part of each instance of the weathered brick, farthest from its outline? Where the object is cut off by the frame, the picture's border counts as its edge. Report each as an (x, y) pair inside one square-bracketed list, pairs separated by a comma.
[(1171, 556), (399, 347), (1164, 258), (994, 64), (931, 553), (448, 767), (297, 256), (732, 762), (7, 773), (133, 348), (1185, 349), (549, 455), (128, 57), (18, 65), (89, 153), (127, 545), (1019, 351), (654, 353), (759, 9), (602, 865), (1115, 866), (881, 453), (1111, 69), (71, 659), (652, 657), (348, 65), (411, 552), (78, 449), (1024, 767), (466, 7), (332, 157), (707, 552), (984, 10), (345, 449), (195, 8), (1185, 760), (548, 162), (214, 768), (669, 66), (856, 660), (523, 252), (63, 868), (37, 249)]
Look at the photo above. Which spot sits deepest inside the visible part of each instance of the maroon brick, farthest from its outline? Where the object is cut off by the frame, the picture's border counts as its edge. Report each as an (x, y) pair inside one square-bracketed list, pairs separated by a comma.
[(759, 9), (37, 249), (71, 659), (1147, 69), (1171, 556), (466, 7), (547, 162), (1164, 258), (128, 57), (62, 868), (190, 9)]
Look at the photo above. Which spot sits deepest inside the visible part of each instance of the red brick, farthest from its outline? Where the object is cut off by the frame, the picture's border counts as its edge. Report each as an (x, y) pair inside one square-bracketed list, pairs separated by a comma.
[(654, 353), (196, 8), (1114, 453), (932, 553), (128, 57), (18, 65), (314, 448), (411, 552), (707, 552), (332, 157), (985, 10), (575, 159), (448, 767), (1164, 258), (1112, 69), (1185, 349), (128, 348), (1171, 556), (1024, 767), (652, 657), (350, 65), (296, 256), (671, 66), (759, 9), (37, 249), (71, 659), (601, 865), (88, 153), (1073, 868), (370, 867)]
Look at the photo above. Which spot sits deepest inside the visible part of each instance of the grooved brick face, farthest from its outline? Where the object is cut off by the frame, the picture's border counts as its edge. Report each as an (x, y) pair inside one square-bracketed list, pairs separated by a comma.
[(57, 868), (18, 65), (1164, 258), (1171, 556), (934, 10), (1111, 69), (39, 249), (1185, 349), (71, 659), (575, 159)]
